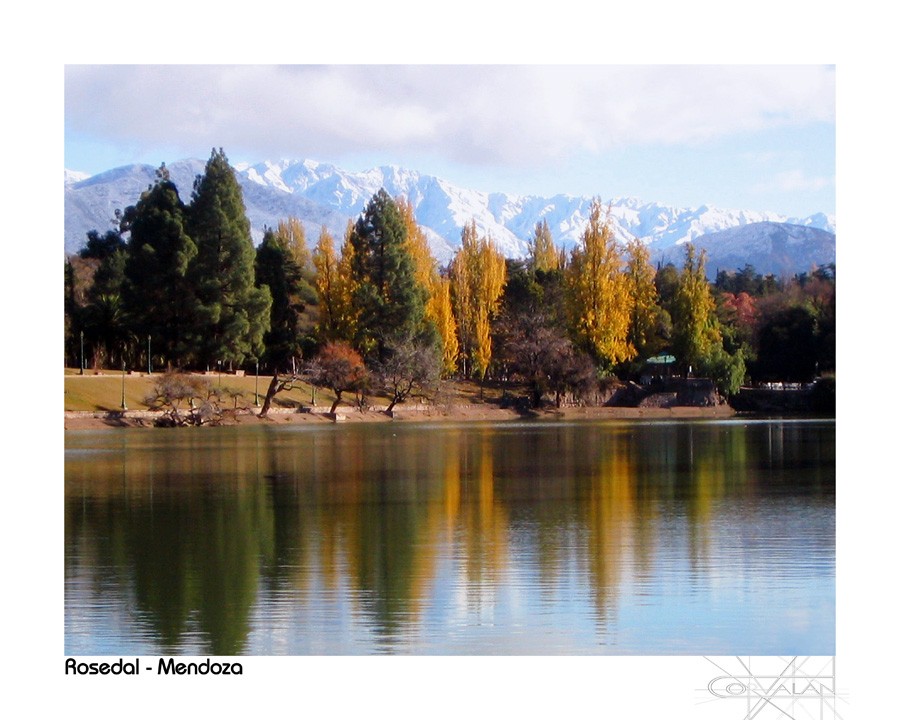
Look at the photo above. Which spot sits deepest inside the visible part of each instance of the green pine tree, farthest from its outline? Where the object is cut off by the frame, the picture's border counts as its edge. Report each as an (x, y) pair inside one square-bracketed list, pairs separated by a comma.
[(389, 300), (277, 269), (105, 321), (158, 296), (232, 313)]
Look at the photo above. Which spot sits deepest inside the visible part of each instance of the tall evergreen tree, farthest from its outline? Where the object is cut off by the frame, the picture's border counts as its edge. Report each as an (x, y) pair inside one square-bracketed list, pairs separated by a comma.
[(158, 296), (105, 320), (232, 313), (277, 269), (391, 304), (82, 271)]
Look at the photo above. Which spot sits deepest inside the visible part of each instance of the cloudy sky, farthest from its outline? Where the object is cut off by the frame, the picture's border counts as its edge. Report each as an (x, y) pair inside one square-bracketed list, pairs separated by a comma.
[(756, 137)]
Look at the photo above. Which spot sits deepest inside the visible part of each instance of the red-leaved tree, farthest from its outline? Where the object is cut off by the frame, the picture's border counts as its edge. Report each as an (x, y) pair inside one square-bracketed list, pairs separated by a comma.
[(337, 367)]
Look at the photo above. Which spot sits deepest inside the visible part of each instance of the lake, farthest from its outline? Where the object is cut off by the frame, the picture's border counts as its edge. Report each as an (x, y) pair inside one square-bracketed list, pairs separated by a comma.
[(520, 538)]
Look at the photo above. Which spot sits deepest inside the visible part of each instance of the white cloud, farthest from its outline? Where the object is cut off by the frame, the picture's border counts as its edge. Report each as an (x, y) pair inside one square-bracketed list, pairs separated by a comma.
[(470, 114), (792, 181)]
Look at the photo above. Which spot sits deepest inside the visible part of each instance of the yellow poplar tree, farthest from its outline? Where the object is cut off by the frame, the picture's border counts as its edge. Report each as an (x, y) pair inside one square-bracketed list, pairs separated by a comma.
[(442, 308), (645, 308), (348, 313), (598, 301), (424, 264), (325, 260), (333, 288), (438, 309), (478, 274), (292, 237), (544, 254), (695, 328)]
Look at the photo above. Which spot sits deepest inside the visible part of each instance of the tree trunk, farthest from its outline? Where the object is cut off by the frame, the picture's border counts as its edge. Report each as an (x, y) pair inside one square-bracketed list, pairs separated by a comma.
[(337, 400), (270, 393)]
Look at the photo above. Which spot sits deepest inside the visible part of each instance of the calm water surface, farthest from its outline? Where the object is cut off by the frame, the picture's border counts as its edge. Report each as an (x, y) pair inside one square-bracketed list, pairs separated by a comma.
[(688, 537)]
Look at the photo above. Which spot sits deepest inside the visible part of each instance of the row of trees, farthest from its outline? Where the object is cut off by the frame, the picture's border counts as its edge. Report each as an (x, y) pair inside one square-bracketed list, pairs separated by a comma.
[(184, 283), (189, 281)]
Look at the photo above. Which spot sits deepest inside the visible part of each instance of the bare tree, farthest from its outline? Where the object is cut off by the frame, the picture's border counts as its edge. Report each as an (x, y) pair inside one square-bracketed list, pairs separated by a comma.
[(411, 367), (279, 383), (189, 400), (540, 355)]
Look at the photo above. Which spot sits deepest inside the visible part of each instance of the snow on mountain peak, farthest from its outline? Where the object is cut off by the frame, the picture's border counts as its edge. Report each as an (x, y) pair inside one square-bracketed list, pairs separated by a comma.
[(320, 194)]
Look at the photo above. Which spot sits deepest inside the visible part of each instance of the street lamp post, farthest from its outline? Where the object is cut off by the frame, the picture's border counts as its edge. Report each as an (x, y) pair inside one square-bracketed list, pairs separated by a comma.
[(124, 406), (256, 387), (81, 369), (149, 361)]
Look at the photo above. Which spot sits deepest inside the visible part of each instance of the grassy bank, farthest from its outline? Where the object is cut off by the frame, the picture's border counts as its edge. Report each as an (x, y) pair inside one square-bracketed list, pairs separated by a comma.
[(101, 391)]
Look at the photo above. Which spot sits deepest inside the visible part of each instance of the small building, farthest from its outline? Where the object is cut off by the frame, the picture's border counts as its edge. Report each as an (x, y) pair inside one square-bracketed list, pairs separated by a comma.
[(657, 369)]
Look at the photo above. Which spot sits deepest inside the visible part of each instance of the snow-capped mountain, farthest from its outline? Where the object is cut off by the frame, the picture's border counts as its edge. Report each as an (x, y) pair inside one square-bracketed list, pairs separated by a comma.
[(771, 247), (320, 194)]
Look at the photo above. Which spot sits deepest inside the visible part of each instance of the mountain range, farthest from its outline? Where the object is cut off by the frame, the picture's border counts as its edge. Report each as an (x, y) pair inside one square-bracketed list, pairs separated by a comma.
[(320, 194)]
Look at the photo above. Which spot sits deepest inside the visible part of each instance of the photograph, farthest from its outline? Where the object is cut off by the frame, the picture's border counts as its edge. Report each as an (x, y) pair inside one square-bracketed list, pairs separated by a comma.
[(463, 360), (491, 362)]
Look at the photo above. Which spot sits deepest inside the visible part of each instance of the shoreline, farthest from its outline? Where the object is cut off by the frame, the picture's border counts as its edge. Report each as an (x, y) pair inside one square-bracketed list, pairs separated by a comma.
[(100, 420)]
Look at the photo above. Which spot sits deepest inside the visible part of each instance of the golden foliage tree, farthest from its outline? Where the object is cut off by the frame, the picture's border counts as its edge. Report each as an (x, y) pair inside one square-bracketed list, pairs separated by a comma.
[(441, 307), (438, 309), (337, 319), (645, 308), (292, 237), (424, 264), (695, 328), (597, 297), (478, 274), (544, 254)]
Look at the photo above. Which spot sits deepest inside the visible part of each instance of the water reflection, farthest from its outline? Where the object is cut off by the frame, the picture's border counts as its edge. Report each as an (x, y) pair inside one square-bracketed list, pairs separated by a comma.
[(522, 538)]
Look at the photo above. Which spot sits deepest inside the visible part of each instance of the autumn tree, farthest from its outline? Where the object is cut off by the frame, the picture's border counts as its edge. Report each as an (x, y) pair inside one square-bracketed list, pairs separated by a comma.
[(441, 309), (597, 295), (695, 328), (738, 318), (292, 237), (232, 312), (478, 275), (337, 367), (438, 308), (543, 253), (331, 289), (696, 334), (649, 323)]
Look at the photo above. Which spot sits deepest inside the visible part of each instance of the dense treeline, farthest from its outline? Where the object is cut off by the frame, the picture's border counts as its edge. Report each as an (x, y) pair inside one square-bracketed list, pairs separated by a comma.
[(187, 290)]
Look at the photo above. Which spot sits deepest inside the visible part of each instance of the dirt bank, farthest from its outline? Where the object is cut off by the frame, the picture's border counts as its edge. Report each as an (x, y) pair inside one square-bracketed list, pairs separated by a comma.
[(455, 414)]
